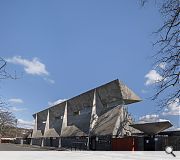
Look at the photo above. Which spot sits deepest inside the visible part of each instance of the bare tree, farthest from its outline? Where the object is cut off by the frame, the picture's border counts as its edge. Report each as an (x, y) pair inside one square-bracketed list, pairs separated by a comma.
[(3, 75), (7, 119), (167, 57), (3, 71)]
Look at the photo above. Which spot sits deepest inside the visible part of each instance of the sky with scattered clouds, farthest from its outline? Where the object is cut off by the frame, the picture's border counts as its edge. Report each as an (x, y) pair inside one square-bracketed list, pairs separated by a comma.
[(59, 49)]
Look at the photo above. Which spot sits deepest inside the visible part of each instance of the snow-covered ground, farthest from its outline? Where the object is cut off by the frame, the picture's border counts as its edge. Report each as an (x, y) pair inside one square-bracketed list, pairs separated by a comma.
[(84, 155)]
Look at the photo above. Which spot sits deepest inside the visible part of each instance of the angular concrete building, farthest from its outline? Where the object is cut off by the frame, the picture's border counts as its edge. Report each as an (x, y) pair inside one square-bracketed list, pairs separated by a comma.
[(87, 121)]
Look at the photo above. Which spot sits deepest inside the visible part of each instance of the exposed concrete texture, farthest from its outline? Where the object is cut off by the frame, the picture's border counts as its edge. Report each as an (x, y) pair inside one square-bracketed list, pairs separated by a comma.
[(57, 117), (64, 123), (127, 94), (51, 133), (35, 126), (47, 123), (72, 131), (97, 112), (41, 120), (37, 134), (79, 112), (117, 123), (94, 116), (108, 123), (152, 128)]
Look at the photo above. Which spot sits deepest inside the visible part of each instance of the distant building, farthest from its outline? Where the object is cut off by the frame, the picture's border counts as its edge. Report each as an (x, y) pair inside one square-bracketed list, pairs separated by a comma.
[(96, 115)]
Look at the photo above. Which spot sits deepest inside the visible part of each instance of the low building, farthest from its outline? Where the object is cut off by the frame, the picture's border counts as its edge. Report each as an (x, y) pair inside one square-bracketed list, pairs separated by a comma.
[(7, 140), (154, 136), (87, 121)]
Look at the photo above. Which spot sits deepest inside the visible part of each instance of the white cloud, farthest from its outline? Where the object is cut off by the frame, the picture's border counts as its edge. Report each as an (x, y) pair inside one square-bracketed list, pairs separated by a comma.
[(162, 65), (152, 77), (15, 101), (173, 108), (150, 118), (49, 80), (56, 102), (25, 124), (15, 109), (144, 91), (34, 66)]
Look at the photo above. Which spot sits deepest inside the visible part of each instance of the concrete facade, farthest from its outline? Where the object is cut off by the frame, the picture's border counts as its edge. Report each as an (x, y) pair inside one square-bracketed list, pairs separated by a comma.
[(96, 113)]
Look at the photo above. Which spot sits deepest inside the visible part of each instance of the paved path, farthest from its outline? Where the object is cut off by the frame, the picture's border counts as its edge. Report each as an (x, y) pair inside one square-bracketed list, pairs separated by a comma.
[(87, 155), (14, 147), (78, 155)]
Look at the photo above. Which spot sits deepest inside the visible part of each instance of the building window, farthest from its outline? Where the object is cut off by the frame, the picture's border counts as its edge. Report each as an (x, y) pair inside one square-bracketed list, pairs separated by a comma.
[(76, 113), (57, 117)]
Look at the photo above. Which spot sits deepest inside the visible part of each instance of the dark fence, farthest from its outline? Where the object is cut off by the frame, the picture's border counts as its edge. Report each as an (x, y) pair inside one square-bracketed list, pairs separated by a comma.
[(51, 142), (74, 143)]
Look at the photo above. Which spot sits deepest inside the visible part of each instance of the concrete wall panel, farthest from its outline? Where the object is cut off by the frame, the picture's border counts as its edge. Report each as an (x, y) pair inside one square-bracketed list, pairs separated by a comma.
[(56, 117)]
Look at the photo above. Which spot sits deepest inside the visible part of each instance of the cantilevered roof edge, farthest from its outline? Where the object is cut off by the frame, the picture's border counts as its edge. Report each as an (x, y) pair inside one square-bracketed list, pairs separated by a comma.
[(101, 86)]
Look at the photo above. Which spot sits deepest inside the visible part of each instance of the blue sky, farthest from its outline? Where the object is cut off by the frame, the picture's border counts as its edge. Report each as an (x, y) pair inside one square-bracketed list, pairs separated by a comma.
[(60, 49)]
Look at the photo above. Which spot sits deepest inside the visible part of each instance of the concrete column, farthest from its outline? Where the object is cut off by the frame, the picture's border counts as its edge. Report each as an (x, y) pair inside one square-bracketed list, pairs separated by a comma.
[(94, 116), (64, 123), (36, 121), (46, 128), (47, 123), (59, 142), (35, 127), (31, 141), (42, 144), (21, 141)]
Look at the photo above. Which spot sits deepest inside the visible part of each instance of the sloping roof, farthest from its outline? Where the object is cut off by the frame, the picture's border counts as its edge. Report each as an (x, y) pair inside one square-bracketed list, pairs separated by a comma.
[(114, 92), (37, 134), (127, 94), (71, 131), (106, 123), (152, 128), (51, 133)]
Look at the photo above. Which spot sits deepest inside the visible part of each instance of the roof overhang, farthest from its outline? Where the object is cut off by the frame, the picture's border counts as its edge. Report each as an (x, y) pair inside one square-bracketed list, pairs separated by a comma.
[(72, 131), (114, 92), (37, 134), (51, 133), (152, 128)]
